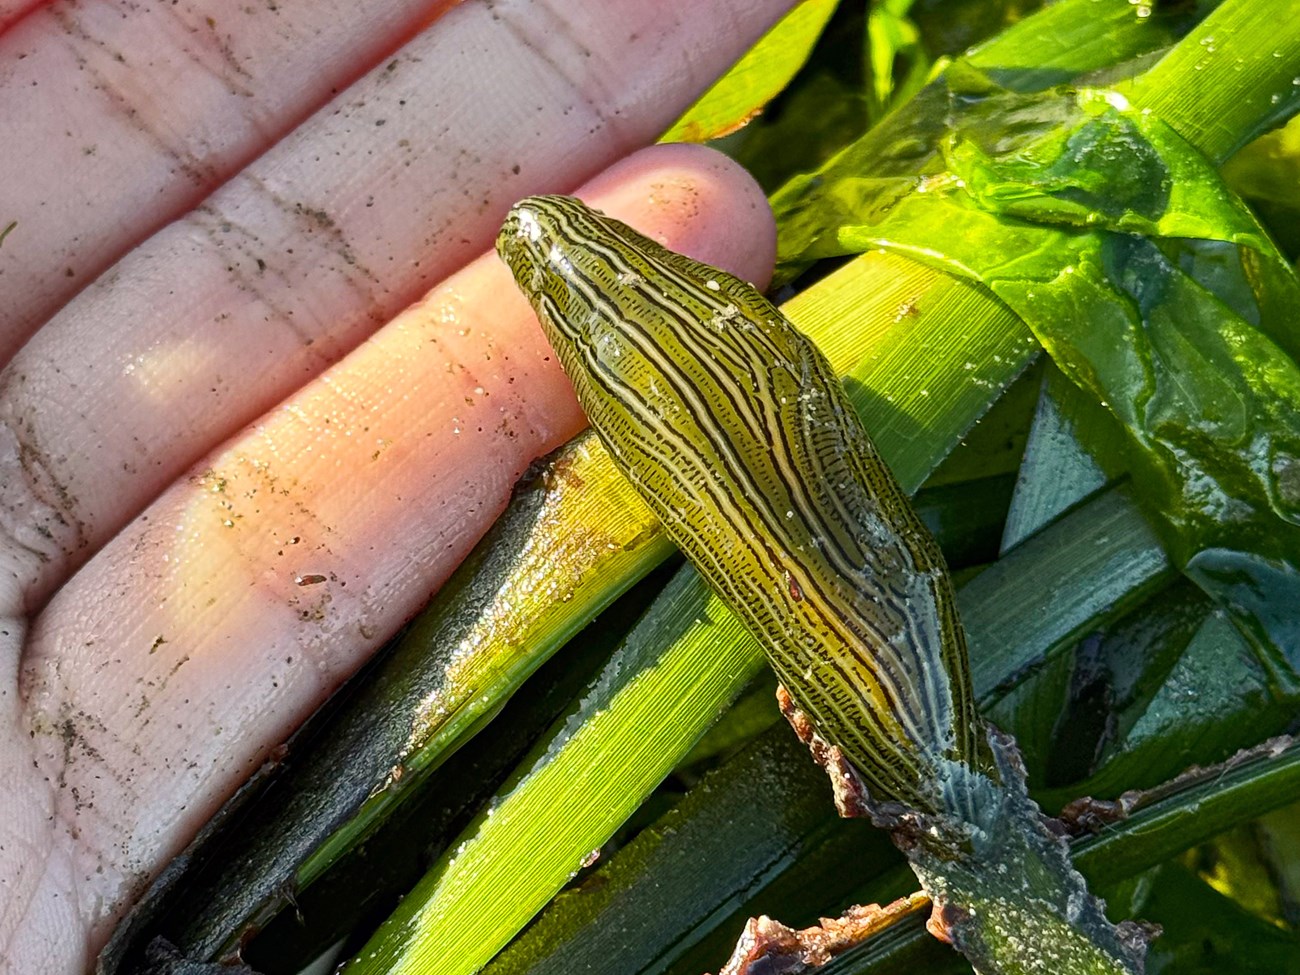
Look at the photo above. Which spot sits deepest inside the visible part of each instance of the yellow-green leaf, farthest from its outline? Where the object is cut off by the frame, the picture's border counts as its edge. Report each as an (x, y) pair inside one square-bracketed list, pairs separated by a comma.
[(755, 79)]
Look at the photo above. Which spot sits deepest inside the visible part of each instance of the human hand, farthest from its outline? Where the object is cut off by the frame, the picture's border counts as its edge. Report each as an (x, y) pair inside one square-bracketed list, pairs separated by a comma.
[(189, 569)]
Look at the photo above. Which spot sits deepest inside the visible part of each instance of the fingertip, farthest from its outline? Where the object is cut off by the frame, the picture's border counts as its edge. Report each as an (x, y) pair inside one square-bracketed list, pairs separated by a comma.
[(695, 200)]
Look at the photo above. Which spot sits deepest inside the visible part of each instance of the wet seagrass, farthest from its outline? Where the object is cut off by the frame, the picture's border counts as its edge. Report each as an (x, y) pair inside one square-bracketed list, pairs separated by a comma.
[(737, 433)]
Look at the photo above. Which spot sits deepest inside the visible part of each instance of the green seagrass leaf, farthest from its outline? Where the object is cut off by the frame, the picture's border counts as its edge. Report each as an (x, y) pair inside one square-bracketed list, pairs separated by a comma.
[(757, 78)]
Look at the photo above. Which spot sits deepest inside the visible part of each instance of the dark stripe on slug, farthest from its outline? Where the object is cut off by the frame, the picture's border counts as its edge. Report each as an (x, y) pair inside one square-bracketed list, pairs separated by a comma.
[(736, 431), (846, 681), (763, 521), (736, 409)]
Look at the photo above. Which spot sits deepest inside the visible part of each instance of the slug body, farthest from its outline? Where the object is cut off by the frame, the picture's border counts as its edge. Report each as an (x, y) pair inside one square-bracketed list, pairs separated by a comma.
[(737, 433)]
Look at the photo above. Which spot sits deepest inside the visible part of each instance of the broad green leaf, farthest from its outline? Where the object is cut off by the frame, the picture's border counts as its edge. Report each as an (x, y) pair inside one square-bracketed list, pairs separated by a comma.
[(1232, 82), (829, 103), (1106, 542), (756, 78), (1062, 42)]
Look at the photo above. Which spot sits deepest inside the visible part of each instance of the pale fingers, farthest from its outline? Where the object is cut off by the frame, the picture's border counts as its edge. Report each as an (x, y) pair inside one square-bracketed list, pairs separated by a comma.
[(288, 266), (202, 634), (120, 116)]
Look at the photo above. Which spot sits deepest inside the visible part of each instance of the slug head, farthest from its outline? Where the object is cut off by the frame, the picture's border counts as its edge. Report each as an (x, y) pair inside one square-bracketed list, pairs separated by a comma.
[(550, 245)]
